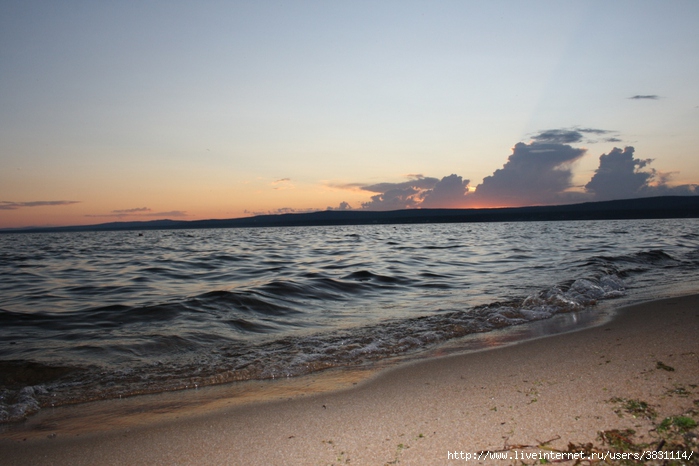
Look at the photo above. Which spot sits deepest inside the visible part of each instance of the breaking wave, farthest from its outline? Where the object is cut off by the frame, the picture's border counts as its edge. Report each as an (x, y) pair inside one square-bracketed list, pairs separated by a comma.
[(105, 315)]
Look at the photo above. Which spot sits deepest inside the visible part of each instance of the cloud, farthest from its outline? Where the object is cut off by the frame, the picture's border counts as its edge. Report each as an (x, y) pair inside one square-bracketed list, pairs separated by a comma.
[(140, 212), (539, 172), (347, 186), (418, 191), (449, 192), (131, 211), (394, 199), (661, 186), (281, 210), (284, 183), (418, 182), (644, 97), (594, 131), (285, 210), (343, 206), (171, 213), (621, 176), (680, 190), (396, 196), (535, 173), (569, 135), (8, 205), (558, 136)]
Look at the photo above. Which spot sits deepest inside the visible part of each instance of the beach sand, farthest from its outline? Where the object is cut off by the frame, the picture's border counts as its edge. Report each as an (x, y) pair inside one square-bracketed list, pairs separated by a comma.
[(557, 389)]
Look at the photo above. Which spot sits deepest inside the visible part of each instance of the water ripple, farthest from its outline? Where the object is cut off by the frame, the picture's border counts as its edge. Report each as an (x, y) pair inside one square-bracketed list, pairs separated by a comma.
[(94, 315)]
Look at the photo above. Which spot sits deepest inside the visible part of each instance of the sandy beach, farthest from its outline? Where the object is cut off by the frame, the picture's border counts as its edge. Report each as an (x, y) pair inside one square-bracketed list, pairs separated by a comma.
[(537, 396)]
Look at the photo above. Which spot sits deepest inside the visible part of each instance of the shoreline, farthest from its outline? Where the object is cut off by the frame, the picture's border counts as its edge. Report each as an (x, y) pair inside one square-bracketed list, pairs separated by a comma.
[(414, 413), (656, 207), (146, 409)]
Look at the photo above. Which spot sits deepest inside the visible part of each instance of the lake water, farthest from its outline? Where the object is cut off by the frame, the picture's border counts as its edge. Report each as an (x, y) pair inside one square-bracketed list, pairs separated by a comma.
[(99, 315)]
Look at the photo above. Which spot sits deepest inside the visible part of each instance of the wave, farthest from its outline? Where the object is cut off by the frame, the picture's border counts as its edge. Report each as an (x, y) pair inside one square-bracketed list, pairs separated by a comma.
[(281, 303), (177, 362)]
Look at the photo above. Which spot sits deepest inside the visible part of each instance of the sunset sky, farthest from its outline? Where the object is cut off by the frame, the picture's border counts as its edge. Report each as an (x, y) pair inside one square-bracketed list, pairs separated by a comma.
[(140, 110)]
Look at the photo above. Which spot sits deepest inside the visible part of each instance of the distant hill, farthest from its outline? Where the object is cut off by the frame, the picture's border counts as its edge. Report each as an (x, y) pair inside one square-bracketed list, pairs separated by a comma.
[(642, 208)]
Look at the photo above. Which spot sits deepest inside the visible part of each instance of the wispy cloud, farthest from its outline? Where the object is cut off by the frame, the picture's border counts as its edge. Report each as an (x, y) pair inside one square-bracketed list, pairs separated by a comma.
[(573, 135), (644, 97), (171, 213), (347, 186), (9, 205), (283, 183), (558, 136), (140, 212), (281, 210), (131, 211)]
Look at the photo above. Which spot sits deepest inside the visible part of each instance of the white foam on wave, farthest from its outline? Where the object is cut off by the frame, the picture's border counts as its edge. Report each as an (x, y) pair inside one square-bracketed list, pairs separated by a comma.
[(17, 406)]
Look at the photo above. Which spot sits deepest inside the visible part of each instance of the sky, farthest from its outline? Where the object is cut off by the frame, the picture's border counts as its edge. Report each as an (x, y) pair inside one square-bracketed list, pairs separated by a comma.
[(143, 110)]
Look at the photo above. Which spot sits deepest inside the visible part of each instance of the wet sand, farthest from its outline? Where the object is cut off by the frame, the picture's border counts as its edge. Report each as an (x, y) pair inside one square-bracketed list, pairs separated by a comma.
[(556, 388)]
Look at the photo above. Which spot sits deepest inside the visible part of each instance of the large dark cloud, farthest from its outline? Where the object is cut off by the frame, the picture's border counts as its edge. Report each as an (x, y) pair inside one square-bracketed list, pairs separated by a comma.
[(394, 199), (8, 205), (535, 173), (395, 196), (418, 182), (621, 176), (419, 191), (449, 192)]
